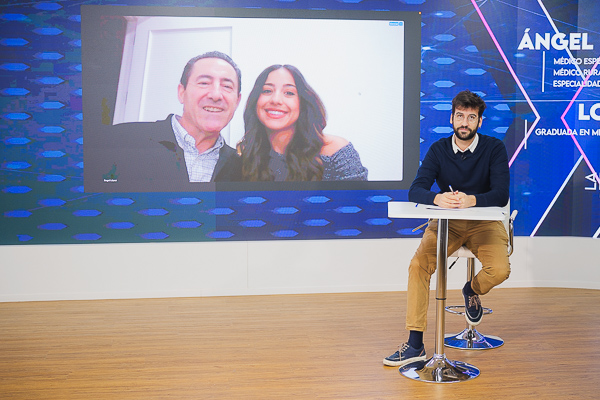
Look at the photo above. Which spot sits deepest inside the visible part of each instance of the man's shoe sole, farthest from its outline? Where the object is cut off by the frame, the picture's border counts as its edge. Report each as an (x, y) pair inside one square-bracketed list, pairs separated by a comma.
[(389, 363), (473, 323)]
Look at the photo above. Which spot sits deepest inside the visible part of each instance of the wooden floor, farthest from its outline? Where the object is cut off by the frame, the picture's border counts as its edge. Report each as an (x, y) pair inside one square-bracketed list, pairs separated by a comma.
[(325, 346)]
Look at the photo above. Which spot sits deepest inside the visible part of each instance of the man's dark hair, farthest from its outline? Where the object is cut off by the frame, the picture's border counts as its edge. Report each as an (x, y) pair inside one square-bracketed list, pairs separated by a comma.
[(468, 99), (211, 54)]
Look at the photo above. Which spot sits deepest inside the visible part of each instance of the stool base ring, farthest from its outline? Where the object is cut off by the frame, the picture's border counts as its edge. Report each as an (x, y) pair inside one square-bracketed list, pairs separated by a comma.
[(471, 339)]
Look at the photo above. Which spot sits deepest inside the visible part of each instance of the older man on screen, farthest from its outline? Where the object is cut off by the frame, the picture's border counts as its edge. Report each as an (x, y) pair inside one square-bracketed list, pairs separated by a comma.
[(175, 153)]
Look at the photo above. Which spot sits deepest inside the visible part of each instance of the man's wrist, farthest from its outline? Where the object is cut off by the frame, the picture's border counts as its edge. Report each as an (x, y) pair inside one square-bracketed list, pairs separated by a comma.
[(473, 200)]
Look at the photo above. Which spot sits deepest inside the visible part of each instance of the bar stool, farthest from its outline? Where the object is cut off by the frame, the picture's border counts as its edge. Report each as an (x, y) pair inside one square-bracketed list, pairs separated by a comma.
[(470, 338)]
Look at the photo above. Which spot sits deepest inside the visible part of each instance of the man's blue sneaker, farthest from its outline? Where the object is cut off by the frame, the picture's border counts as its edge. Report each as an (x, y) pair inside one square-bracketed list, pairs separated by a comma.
[(406, 354), (473, 309)]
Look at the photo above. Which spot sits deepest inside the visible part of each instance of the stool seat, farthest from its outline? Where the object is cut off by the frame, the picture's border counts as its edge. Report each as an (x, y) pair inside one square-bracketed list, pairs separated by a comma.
[(463, 252)]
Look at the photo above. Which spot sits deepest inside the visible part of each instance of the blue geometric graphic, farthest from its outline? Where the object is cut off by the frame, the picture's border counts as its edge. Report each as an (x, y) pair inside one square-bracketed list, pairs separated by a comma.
[(543, 103)]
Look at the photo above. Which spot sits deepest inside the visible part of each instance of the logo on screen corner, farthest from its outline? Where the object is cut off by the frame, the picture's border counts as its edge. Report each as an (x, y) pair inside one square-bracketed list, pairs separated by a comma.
[(592, 179), (396, 23), (112, 175)]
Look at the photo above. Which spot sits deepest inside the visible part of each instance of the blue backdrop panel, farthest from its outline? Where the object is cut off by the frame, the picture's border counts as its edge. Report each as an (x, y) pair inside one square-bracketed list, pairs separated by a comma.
[(541, 89)]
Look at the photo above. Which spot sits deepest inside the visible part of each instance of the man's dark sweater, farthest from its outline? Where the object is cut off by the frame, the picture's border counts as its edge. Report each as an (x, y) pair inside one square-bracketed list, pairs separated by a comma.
[(483, 173)]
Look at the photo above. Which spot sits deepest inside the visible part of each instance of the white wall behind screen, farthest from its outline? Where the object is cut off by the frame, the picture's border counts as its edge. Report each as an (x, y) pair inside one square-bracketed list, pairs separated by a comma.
[(112, 271), (357, 70)]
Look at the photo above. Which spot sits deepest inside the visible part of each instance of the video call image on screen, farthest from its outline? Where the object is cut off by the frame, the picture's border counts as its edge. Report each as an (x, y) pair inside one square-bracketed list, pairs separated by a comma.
[(362, 71)]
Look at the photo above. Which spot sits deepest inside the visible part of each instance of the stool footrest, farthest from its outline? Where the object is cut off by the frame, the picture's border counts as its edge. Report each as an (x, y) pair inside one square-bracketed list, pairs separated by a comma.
[(456, 310)]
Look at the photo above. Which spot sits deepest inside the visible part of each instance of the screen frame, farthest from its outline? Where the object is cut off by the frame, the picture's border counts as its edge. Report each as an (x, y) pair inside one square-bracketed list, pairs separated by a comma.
[(95, 75)]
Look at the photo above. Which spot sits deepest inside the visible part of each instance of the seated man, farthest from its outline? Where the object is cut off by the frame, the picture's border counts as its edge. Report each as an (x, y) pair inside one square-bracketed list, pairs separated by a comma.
[(471, 170)]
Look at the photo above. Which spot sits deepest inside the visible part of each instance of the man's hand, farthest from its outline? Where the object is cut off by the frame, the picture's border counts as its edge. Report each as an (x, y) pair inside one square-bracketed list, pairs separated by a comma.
[(454, 200)]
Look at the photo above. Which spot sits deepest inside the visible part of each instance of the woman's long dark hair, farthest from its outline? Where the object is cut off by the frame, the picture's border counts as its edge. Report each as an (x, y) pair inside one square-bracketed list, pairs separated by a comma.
[(302, 153)]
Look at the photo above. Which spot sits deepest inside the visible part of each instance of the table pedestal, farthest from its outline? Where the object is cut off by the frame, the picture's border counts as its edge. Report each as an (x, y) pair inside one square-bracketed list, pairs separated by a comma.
[(438, 368)]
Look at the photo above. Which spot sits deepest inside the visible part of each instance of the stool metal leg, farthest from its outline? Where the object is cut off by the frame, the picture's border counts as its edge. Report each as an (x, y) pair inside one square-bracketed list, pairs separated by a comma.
[(439, 369), (470, 338)]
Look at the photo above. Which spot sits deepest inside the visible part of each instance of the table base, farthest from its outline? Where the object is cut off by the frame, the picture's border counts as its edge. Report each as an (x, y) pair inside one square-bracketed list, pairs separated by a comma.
[(439, 369)]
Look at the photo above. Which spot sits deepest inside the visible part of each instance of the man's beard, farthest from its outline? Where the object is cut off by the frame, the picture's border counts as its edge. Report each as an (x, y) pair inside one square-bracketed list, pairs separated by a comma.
[(462, 136)]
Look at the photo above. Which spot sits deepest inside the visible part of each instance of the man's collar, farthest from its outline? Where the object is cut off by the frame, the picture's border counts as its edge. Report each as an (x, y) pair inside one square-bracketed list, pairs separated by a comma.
[(187, 141), (471, 146)]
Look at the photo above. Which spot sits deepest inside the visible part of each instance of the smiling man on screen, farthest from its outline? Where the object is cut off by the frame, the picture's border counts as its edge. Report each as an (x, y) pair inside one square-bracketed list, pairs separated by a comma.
[(175, 153)]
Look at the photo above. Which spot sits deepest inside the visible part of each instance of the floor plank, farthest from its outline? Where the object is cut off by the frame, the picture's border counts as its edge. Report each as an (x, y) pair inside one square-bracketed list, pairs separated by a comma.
[(318, 346)]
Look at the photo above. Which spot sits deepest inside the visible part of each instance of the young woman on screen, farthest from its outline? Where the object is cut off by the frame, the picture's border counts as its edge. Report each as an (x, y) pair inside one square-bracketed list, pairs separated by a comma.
[(284, 140)]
